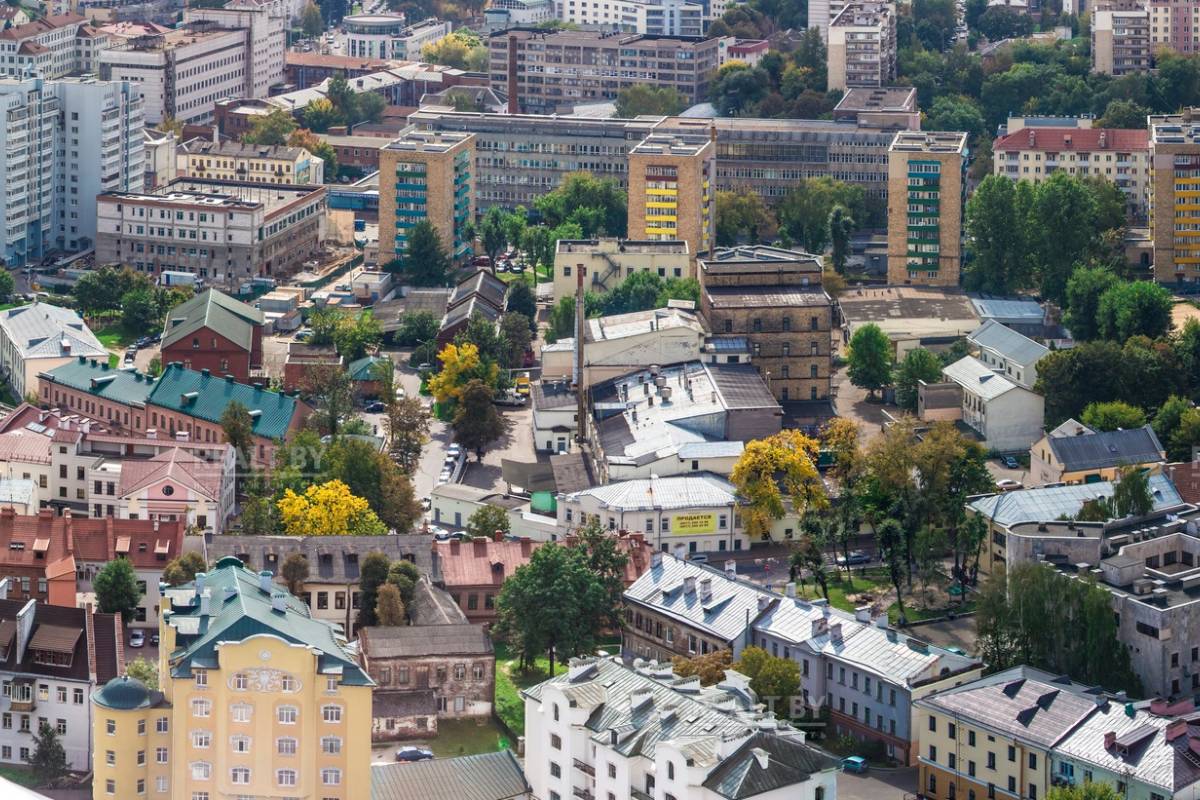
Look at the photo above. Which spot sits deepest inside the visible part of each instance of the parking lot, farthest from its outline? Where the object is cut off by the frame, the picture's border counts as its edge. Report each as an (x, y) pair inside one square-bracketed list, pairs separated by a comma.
[(878, 784)]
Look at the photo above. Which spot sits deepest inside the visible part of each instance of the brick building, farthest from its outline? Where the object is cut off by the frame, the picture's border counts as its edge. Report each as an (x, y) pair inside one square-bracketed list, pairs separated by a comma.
[(774, 298), (303, 357), (215, 332), (926, 192), (671, 196)]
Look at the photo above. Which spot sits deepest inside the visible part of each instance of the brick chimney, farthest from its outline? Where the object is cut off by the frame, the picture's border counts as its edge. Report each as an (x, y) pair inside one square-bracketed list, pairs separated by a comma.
[(68, 533), (479, 547), (89, 627), (120, 639), (1110, 739)]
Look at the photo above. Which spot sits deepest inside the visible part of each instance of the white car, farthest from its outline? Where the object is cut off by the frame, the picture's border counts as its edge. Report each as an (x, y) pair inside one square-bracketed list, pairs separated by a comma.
[(137, 638), (454, 450)]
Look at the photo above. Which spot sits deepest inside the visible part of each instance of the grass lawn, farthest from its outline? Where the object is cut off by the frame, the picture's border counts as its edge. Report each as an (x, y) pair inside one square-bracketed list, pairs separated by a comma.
[(115, 337), (465, 737), (22, 777), (510, 707), (840, 591)]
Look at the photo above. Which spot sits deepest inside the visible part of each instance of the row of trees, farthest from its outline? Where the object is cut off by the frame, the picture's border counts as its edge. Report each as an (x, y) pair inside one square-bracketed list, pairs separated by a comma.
[(816, 214), (790, 85), (141, 304), (639, 291), (280, 128)]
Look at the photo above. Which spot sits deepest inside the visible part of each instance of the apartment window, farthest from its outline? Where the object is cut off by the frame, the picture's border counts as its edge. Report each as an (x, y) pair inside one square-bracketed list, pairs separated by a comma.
[(201, 708), (110, 786), (331, 713), (160, 725), (932, 753), (241, 744), (285, 777), (991, 760), (110, 725), (287, 715), (240, 775), (285, 746), (971, 738), (201, 770), (331, 777), (951, 730), (201, 677), (141, 727), (201, 739), (160, 784), (110, 758), (556, 741), (933, 724), (331, 745), (241, 712), (141, 758), (555, 770), (239, 682), (160, 755), (1012, 753)]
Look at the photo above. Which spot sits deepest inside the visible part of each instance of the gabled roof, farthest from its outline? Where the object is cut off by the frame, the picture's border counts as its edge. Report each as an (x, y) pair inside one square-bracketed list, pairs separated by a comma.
[(42, 330), (1107, 449), (724, 614), (488, 776), (207, 396), (1083, 140), (244, 611), (364, 369), (765, 763), (1007, 342), (64, 630), (217, 312), (483, 285), (95, 377), (1022, 702), (1048, 503), (176, 465), (977, 378)]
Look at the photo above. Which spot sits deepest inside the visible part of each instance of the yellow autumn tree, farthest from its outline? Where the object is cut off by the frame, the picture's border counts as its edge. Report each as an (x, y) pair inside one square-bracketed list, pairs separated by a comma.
[(841, 440), (773, 472), (460, 365), (327, 509)]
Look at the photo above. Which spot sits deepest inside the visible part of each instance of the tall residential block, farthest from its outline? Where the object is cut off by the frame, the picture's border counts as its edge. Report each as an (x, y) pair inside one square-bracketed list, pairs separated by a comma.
[(1175, 196), (1120, 41), (426, 176), (265, 23), (656, 17), (671, 196), (925, 207), (862, 46), (1175, 25), (256, 699)]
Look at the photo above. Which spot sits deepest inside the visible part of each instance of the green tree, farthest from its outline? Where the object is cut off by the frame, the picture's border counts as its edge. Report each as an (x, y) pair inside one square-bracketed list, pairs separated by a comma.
[(514, 332), (737, 88), (311, 21), (183, 569), (1166, 423), (462, 49), (259, 517), (7, 285), (117, 590), (331, 394), (493, 233), (425, 261), (271, 129), (841, 227), (917, 365), (956, 113), (894, 554), (238, 427), (376, 478), (1066, 211), (808, 555), (416, 327), (486, 520), (1112, 415), (407, 426), (1123, 114), (775, 680), (295, 572), (1140, 308), (995, 222), (476, 422), (389, 608), (555, 604), (522, 300), (320, 148), (1131, 493), (562, 315), (48, 761), (777, 475), (870, 361), (372, 573), (1086, 791), (404, 575), (804, 211), (143, 670), (743, 213), (597, 205), (1085, 287), (644, 98)]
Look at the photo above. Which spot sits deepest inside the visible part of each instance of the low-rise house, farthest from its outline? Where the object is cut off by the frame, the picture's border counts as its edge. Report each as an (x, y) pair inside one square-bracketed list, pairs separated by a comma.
[(555, 416), (365, 373), (487, 776), (331, 589), (604, 263), (215, 332), (257, 163), (698, 512), (39, 337), (1093, 456), (303, 357), (1004, 415), (602, 728), (454, 661), (452, 504), (1006, 351), (480, 294), (175, 485), (994, 736), (51, 659)]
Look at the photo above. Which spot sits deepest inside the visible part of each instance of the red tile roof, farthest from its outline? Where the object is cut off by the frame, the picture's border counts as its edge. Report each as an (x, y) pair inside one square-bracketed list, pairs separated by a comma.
[(1186, 477), (84, 539), (481, 562), (175, 464), (41, 26), (1057, 140)]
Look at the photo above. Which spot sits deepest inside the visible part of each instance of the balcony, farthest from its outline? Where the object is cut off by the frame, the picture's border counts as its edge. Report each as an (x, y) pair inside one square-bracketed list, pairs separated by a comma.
[(582, 794), (586, 769), (638, 794)]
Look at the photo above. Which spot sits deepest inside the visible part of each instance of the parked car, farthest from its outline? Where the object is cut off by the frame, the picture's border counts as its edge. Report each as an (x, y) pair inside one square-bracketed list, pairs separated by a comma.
[(374, 407), (303, 335), (481, 261), (137, 639), (854, 764), (1009, 485), (154, 639), (856, 557), (413, 754), (454, 450), (501, 266), (509, 399), (426, 367), (1010, 462)]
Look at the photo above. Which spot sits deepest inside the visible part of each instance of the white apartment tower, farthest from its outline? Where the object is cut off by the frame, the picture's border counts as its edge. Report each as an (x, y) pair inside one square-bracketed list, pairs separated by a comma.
[(862, 46), (27, 168), (267, 23)]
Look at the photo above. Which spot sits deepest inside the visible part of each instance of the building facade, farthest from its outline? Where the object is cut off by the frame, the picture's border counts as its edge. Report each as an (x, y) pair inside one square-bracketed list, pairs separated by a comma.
[(862, 46), (388, 36), (266, 23), (1175, 196), (39, 337), (926, 192), (233, 161), (773, 298), (50, 47), (222, 232), (1173, 25), (671, 196), (662, 18), (281, 705), (427, 177), (1121, 41), (526, 65)]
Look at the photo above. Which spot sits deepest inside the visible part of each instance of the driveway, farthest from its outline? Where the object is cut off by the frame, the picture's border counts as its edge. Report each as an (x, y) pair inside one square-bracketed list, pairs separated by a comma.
[(878, 784), (516, 445), (851, 402)]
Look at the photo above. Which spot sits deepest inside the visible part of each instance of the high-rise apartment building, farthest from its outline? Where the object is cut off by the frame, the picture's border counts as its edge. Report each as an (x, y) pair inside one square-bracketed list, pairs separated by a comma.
[(1175, 24), (257, 699), (543, 71), (925, 207), (671, 196), (1120, 41), (64, 142), (656, 17), (426, 176), (1175, 196), (862, 46), (823, 12)]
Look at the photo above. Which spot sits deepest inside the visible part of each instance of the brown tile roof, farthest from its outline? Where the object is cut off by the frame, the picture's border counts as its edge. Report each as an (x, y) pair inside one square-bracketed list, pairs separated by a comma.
[(1059, 140), (40, 26), (334, 62), (482, 562), (33, 418), (25, 446), (425, 640), (96, 540), (1186, 477), (176, 465), (57, 628)]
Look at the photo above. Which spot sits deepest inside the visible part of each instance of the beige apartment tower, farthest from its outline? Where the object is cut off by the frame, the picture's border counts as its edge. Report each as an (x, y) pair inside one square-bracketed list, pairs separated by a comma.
[(1120, 41), (671, 195), (862, 46), (427, 175), (1175, 196), (925, 207)]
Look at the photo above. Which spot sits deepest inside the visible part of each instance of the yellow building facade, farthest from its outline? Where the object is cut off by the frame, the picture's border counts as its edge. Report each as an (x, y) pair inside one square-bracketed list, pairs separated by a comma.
[(258, 700), (1175, 196), (670, 191)]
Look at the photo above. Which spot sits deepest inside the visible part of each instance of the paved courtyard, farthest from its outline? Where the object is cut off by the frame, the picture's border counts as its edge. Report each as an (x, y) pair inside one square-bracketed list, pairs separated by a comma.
[(878, 784)]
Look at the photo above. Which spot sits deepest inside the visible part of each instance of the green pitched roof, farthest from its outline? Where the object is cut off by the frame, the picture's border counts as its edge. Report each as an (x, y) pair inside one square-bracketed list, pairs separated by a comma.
[(205, 396), (211, 309), (97, 378), (364, 368), (238, 608)]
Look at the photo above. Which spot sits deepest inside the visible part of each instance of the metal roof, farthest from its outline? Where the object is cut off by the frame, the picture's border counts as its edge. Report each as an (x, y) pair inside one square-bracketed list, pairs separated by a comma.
[(42, 330), (1008, 343), (1151, 760), (788, 761), (701, 490), (1107, 449), (425, 640), (217, 312), (1001, 309), (96, 377), (207, 396), (711, 450), (977, 378), (488, 776), (1054, 502)]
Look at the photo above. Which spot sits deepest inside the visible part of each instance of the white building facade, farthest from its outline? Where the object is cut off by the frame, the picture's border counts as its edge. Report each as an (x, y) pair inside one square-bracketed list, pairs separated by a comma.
[(661, 18), (387, 36), (266, 24)]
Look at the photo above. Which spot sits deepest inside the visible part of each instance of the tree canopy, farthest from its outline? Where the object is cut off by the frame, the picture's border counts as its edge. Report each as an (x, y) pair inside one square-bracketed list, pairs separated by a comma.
[(327, 509), (870, 358), (776, 472)]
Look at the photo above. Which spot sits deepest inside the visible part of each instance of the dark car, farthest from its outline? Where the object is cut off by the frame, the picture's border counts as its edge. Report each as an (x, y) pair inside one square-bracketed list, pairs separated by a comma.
[(856, 557), (374, 407), (413, 754), (1010, 462)]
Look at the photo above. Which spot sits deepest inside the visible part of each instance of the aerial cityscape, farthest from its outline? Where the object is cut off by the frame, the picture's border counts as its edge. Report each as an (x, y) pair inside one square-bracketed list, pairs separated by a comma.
[(600, 400)]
